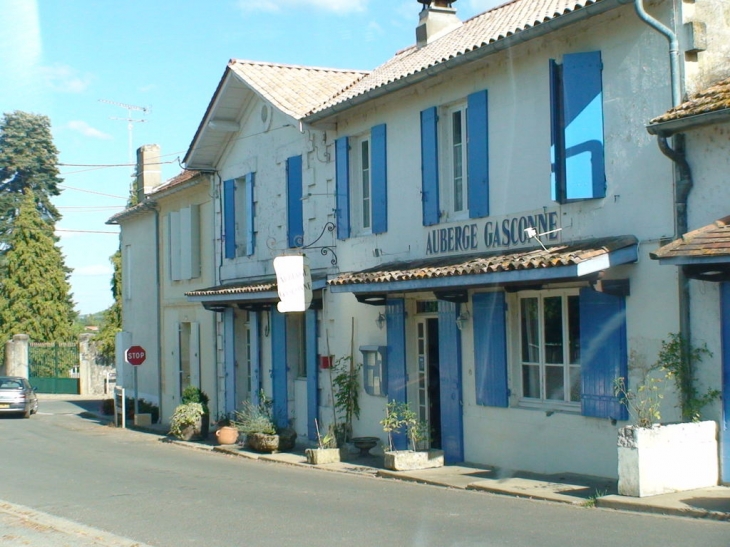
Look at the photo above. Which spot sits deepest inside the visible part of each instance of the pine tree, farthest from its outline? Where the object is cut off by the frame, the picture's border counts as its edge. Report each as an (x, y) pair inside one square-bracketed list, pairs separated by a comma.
[(112, 324), (35, 296), (28, 160)]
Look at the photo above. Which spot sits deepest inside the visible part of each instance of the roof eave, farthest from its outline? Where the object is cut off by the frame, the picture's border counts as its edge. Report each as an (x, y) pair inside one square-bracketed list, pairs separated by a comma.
[(680, 125)]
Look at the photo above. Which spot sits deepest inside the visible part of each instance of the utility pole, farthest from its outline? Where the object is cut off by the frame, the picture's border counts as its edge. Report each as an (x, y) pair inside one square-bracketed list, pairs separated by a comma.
[(130, 121)]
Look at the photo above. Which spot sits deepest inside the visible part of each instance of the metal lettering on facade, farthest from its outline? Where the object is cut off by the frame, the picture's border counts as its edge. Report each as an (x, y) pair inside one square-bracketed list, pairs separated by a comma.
[(494, 234)]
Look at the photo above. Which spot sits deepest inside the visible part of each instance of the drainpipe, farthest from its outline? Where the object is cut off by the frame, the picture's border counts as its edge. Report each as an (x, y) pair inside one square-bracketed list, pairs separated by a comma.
[(682, 174)]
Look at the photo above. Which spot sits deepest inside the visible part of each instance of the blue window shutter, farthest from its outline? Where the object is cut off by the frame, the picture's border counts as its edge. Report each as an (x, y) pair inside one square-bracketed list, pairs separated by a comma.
[(310, 319), (250, 215), (396, 331), (585, 176), (490, 349), (452, 436), (603, 354), (280, 393), (229, 218), (342, 186), (725, 399), (478, 154), (379, 179), (430, 167), (557, 141), (295, 214)]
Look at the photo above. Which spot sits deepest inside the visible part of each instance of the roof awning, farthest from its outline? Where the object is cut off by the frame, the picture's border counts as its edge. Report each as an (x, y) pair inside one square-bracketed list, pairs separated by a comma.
[(703, 253), (570, 261), (250, 295)]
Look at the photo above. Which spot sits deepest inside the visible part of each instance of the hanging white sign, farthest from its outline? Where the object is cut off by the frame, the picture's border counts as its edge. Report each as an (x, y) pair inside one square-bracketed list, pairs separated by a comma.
[(294, 283)]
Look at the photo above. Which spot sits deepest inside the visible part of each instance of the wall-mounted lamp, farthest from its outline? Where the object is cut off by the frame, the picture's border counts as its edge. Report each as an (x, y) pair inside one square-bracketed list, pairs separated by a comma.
[(462, 319), (380, 321)]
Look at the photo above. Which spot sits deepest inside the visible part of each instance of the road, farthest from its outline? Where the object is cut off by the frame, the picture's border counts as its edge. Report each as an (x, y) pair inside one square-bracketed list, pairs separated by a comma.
[(134, 485)]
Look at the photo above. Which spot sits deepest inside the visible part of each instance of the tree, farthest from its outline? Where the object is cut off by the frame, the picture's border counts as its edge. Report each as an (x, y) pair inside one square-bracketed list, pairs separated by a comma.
[(112, 324), (35, 296), (28, 160)]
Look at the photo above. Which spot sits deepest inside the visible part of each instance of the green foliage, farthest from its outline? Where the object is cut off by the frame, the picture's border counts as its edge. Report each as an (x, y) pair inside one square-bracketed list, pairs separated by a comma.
[(184, 416), (644, 403), (400, 417), (678, 358), (253, 418), (192, 394), (35, 295), (28, 161), (112, 316), (346, 393)]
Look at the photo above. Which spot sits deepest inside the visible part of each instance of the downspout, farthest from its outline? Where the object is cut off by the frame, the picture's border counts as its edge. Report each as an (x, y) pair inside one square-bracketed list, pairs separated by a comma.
[(683, 184)]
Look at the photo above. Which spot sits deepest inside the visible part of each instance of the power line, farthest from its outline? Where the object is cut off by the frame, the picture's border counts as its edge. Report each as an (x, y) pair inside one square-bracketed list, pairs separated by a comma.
[(85, 231), (65, 187)]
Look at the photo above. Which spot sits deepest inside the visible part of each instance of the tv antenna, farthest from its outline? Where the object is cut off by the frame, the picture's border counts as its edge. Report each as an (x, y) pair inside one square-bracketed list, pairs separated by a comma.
[(532, 233), (130, 121)]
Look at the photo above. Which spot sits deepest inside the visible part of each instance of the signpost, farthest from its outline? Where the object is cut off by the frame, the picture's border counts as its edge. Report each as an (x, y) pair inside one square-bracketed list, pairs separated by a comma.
[(135, 356)]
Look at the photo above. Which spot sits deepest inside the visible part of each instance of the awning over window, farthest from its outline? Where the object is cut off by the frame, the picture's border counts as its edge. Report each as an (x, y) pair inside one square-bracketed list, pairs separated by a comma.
[(703, 253), (528, 266), (250, 295)]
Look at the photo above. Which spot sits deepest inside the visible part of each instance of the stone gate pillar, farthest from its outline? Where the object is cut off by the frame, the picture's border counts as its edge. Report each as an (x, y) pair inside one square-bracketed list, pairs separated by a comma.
[(16, 356), (87, 358)]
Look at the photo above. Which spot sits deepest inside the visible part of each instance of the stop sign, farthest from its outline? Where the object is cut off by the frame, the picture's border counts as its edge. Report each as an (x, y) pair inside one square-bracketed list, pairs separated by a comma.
[(135, 355)]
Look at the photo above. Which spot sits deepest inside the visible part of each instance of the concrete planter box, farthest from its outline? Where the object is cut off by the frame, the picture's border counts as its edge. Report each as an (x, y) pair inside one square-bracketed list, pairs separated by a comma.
[(319, 456), (408, 460), (667, 458)]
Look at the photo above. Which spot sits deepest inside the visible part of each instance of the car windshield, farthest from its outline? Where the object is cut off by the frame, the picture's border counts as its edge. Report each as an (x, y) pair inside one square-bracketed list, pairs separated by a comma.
[(11, 384)]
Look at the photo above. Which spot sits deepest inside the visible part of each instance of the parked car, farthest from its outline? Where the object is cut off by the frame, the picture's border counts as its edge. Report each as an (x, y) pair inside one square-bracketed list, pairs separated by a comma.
[(17, 396)]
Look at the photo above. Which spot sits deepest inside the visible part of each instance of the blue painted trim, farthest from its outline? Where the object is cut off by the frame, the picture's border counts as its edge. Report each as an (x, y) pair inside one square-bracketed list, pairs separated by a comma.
[(490, 349), (725, 401), (689, 260), (229, 218), (311, 356), (254, 319), (478, 154), (294, 204), (397, 375), (279, 373), (557, 142), (379, 178), (250, 215), (450, 383), (430, 167), (342, 186), (620, 256)]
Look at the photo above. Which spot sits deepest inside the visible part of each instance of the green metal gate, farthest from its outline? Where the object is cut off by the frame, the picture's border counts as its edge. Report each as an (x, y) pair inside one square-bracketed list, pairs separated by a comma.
[(52, 367)]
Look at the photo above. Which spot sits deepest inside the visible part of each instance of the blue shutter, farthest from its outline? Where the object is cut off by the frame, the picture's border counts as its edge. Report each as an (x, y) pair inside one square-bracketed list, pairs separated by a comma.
[(585, 176), (557, 142), (603, 354), (452, 436), (310, 318), (478, 154), (429, 167), (490, 349), (279, 368), (255, 353), (396, 331), (342, 186), (379, 179), (250, 215), (295, 214), (725, 399), (229, 218)]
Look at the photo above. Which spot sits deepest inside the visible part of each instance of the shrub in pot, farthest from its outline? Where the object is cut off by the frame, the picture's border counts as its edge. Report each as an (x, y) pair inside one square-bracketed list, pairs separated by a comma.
[(186, 421)]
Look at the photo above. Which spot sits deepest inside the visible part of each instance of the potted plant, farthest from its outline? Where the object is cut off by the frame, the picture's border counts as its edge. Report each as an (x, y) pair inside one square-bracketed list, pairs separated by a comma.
[(326, 451), (185, 423), (192, 394), (255, 422), (655, 457), (400, 418)]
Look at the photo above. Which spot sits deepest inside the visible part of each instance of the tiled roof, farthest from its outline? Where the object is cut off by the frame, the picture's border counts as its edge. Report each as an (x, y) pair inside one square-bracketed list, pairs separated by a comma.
[(706, 242), (559, 255), (712, 99), (235, 288), (293, 89), (489, 27)]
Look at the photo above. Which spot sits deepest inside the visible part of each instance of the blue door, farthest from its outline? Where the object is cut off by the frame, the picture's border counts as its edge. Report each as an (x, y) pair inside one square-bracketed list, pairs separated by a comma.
[(279, 368), (449, 340)]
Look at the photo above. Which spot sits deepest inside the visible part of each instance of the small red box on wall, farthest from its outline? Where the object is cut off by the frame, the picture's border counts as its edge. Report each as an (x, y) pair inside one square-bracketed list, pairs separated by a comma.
[(325, 361)]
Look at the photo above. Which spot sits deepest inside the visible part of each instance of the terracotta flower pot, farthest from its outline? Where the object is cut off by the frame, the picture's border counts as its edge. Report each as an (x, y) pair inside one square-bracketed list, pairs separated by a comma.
[(227, 435)]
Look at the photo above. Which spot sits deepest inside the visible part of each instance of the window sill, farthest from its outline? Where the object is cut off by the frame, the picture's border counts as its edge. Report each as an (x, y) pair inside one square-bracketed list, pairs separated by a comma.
[(549, 407)]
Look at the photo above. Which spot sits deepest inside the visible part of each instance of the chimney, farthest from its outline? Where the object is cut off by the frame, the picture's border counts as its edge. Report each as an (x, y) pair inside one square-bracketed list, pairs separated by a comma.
[(436, 19), (149, 170)]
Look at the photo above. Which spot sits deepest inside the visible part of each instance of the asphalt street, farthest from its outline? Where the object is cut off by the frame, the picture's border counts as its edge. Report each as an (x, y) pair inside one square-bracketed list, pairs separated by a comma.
[(128, 486)]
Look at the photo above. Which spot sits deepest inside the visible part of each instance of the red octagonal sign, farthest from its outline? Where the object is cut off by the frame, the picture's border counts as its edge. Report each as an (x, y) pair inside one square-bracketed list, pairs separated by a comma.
[(135, 355)]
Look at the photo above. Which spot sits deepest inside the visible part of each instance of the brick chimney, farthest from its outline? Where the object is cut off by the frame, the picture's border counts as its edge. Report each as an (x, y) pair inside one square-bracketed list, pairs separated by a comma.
[(149, 170), (436, 19)]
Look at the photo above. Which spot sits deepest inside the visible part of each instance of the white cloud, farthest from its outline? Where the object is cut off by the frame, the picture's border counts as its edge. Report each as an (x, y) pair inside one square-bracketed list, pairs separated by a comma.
[(88, 131), (278, 6), (94, 270), (66, 79)]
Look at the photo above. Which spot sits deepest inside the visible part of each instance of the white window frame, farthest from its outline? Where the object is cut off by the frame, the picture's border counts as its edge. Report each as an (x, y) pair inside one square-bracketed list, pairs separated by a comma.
[(451, 207), (361, 186), (570, 369)]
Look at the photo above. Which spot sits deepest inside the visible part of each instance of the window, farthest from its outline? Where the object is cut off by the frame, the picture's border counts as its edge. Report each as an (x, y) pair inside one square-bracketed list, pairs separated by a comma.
[(373, 369), (295, 344), (238, 216), (577, 147), (183, 243), (455, 161), (550, 347), (295, 211), (361, 181), (188, 355)]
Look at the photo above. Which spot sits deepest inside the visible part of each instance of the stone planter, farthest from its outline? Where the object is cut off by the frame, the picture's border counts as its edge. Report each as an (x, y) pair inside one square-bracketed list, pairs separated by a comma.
[(319, 456), (667, 458), (408, 460), (263, 442)]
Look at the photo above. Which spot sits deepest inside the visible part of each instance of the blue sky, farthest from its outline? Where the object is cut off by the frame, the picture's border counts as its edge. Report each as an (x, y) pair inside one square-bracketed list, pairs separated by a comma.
[(76, 60)]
